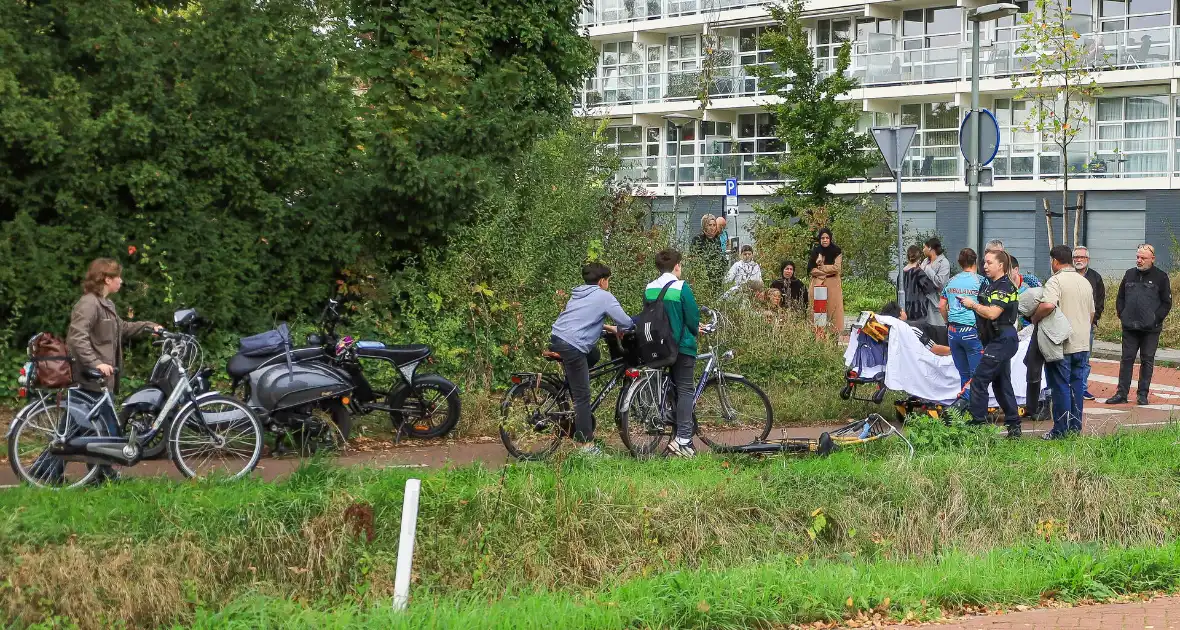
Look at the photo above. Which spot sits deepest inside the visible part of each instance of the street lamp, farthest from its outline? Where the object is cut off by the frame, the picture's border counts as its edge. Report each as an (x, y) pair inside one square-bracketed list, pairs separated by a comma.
[(678, 120), (987, 13)]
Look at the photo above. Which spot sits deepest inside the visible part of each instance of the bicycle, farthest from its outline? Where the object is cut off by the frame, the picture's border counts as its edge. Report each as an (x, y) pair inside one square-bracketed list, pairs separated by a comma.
[(538, 407), (726, 406), (82, 432)]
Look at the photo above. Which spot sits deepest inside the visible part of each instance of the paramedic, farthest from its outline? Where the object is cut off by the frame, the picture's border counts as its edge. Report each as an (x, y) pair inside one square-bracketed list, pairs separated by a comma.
[(996, 310), (962, 333)]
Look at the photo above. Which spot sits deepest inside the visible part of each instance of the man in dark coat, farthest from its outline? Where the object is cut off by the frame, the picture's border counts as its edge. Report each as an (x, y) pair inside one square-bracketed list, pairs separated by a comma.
[(1144, 300)]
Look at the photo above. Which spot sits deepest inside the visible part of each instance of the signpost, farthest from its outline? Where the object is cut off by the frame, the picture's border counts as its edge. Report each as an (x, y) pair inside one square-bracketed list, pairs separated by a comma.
[(894, 143), (731, 196)]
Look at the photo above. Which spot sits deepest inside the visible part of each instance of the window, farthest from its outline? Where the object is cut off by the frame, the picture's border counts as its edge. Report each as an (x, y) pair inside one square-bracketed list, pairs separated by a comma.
[(627, 142), (719, 152), (757, 141), (865, 124), (935, 150), (621, 69), (682, 152), (1017, 155), (684, 65), (931, 40), (750, 53), (1132, 135), (830, 36), (1134, 33)]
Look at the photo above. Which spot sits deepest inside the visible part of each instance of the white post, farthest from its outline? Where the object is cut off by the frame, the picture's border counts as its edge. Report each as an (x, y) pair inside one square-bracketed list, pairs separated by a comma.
[(405, 546)]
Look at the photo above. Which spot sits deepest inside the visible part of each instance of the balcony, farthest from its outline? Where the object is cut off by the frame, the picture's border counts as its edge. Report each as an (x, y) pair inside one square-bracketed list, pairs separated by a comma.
[(666, 87), (877, 64), (743, 158), (607, 12)]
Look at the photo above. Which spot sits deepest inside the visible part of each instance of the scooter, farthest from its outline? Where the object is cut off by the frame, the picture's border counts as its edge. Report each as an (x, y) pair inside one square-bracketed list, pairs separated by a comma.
[(420, 405)]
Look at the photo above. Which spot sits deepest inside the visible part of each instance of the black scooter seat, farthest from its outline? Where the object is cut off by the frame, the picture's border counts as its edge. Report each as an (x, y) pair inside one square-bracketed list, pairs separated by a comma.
[(240, 365), (399, 355)]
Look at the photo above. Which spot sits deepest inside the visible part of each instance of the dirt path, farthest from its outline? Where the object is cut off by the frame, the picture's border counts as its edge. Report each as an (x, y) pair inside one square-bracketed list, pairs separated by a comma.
[(1099, 419)]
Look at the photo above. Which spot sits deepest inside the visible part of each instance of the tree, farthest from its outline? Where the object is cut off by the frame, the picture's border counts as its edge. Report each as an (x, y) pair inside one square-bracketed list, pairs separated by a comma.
[(1059, 79), (819, 130), (457, 91), (202, 144)]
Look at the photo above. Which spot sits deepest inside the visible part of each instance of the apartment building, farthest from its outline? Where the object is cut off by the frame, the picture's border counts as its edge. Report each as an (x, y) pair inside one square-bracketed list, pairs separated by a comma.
[(912, 59)]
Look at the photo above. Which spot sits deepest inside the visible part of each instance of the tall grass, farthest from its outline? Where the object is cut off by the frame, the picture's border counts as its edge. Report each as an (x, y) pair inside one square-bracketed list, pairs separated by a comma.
[(150, 552), (775, 591)]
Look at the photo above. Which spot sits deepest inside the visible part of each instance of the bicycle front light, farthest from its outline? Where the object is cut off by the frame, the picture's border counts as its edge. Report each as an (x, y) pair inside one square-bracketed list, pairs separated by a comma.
[(728, 355)]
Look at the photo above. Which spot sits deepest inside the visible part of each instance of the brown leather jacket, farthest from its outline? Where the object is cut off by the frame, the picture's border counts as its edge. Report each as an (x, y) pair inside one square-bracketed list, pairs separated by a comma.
[(96, 336)]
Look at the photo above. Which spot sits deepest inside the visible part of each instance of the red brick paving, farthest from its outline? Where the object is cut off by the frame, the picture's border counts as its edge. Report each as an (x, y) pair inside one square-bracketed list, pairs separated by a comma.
[(1158, 614)]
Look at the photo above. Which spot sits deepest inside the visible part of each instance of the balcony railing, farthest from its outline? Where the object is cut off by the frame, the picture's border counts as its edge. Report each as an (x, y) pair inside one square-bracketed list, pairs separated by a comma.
[(608, 12), (1092, 160), (876, 65)]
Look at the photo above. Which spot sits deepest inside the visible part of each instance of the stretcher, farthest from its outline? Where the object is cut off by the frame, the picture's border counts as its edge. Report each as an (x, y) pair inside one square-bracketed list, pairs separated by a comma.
[(885, 353)]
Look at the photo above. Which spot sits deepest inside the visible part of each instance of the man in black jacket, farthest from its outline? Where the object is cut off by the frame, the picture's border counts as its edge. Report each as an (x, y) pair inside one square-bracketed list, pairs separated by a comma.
[(1081, 262), (1145, 297)]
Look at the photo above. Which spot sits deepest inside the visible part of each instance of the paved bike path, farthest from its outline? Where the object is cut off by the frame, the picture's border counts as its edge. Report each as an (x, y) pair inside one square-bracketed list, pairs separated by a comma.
[(1157, 614), (1099, 419)]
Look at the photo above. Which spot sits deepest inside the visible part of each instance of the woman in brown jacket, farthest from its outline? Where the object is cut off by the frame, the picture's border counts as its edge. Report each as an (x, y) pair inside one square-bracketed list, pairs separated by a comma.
[(825, 264), (96, 331)]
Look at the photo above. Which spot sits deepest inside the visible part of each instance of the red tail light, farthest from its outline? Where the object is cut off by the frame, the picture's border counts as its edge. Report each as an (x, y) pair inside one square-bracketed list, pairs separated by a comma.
[(22, 371), (516, 380), (631, 373), (851, 373), (22, 392)]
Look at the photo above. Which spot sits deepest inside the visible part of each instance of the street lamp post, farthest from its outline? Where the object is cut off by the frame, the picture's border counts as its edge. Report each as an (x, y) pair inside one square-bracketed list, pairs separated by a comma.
[(678, 121), (986, 13)]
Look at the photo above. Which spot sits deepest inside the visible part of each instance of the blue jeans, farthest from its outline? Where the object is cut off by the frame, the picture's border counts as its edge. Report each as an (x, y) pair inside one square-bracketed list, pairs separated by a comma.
[(965, 350), (1086, 376), (1066, 385)]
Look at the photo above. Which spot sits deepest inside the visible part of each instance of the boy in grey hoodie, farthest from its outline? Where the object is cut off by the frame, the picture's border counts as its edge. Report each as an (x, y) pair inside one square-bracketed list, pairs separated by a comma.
[(575, 337)]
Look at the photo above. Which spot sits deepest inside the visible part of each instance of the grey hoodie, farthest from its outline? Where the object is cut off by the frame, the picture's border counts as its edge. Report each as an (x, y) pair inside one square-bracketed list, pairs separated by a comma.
[(580, 324)]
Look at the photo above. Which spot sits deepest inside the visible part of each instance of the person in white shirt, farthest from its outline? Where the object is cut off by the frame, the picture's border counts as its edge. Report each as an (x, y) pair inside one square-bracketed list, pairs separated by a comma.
[(744, 270)]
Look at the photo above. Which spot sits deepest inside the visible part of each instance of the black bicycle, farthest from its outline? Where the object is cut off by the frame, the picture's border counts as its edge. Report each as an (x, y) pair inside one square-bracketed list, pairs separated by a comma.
[(537, 412)]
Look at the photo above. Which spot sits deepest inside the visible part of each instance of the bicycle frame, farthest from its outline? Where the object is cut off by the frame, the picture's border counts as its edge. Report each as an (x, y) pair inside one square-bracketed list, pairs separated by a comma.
[(617, 366)]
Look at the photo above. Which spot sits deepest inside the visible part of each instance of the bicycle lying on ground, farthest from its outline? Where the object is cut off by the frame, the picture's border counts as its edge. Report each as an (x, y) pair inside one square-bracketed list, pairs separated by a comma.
[(537, 412), (728, 410), (64, 439)]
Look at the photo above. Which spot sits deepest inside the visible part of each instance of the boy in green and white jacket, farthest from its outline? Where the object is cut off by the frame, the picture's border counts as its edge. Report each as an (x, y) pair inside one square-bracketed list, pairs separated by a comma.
[(684, 316)]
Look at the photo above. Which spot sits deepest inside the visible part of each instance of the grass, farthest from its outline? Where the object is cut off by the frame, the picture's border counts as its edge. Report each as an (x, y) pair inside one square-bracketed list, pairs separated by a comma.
[(774, 592), (151, 552), (1109, 328)]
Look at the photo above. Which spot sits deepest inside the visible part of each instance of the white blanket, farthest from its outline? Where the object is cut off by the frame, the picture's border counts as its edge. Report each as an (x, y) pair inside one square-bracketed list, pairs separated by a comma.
[(915, 370)]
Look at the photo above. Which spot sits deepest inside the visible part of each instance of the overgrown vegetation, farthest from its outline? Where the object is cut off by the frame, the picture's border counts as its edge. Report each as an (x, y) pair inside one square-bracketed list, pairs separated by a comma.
[(539, 536), (775, 590), (240, 156)]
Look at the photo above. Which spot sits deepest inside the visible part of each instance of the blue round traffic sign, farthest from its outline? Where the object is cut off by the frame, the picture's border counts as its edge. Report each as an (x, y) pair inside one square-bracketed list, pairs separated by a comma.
[(989, 135)]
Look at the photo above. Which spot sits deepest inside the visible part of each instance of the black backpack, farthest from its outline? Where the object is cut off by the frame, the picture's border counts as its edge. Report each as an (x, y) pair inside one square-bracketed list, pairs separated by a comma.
[(658, 347)]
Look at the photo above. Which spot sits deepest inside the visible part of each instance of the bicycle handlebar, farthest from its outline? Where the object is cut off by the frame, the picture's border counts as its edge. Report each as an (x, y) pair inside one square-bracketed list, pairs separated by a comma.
[(712, 325)]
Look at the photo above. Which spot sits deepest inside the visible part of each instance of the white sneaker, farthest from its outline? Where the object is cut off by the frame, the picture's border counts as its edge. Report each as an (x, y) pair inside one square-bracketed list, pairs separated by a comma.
[(592, 450), (676, 449)]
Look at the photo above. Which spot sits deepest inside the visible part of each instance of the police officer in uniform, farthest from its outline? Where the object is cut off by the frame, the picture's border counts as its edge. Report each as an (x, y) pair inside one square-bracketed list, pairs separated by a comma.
[(996, 311)]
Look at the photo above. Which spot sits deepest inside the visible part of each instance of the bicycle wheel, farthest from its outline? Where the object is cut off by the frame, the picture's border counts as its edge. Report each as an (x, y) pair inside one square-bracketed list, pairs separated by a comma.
[(732, 412), (28, 448), (229, 441), (427, 409), (645, 426), (534, 418)]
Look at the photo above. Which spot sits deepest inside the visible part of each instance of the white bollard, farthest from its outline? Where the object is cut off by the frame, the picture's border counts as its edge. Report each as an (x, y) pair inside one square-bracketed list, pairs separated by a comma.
[(405, 547)]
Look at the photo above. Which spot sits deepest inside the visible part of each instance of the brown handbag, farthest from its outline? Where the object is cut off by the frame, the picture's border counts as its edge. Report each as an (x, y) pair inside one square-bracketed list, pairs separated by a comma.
[(51, 361)]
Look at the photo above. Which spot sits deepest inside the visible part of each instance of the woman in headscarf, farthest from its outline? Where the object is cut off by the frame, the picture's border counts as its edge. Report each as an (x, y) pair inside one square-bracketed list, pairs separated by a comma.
[(824, 264)]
